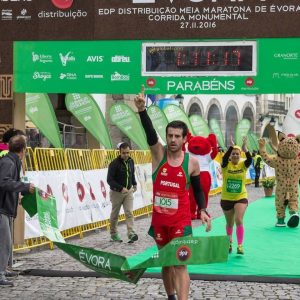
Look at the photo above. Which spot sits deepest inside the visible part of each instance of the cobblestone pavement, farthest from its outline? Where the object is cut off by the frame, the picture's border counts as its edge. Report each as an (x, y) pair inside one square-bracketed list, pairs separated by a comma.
[(30, 287)]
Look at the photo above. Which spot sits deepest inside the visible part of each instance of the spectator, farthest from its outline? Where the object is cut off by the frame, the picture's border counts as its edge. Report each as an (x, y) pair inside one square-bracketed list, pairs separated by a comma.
[(10, 187), (122, 182), (79, 142), (34, 138), (5, 139), (258, 165)]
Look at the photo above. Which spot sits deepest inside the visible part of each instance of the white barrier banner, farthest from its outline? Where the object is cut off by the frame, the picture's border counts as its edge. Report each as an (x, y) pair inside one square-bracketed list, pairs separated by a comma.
[(82, 197), (143, 195), (99, 191)]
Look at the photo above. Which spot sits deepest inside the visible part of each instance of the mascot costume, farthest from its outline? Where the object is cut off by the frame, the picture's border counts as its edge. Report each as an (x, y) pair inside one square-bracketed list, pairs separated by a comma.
[(204, 150), (287, 169)]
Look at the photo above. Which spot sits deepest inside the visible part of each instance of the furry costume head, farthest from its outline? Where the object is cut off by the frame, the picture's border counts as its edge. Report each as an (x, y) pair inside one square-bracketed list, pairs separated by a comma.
[(288, 147), (200, 145)]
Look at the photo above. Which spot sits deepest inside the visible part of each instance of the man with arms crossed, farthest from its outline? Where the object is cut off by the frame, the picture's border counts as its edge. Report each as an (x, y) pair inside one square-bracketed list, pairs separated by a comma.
[(172, 172)]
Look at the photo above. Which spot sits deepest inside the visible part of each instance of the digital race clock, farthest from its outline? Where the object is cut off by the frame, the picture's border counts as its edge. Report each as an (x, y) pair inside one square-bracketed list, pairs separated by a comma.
[(234, 58)]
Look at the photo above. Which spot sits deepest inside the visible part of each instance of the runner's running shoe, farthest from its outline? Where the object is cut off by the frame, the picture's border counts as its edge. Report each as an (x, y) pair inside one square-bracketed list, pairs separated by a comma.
[(115, 238), (240, 250)]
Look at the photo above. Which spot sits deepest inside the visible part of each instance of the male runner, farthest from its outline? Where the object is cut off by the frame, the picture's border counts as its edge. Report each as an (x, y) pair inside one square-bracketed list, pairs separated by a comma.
[(172, 172)]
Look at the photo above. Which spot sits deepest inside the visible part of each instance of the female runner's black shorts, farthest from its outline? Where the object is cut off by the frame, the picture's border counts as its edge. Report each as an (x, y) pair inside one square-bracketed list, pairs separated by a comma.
[(228, 205)]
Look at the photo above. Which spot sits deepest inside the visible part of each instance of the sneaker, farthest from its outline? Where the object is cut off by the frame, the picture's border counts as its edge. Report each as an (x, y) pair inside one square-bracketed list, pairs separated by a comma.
[(240, 249), (280, 222), (11, 274), (230, 248), (133, 237), (115, 238), (5, 282), (293, 220)]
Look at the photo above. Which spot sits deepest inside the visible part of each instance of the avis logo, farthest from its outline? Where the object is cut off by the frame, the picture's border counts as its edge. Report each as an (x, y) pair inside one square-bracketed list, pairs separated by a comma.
[(183, 253), (96, 59), (66, 58)]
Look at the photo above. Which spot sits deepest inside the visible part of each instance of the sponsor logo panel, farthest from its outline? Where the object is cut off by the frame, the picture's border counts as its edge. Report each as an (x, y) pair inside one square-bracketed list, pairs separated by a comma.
[(6, 14), (119, 77), (44, 76)]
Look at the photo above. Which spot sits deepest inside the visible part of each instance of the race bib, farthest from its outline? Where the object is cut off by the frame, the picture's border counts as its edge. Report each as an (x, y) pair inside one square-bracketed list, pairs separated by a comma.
[(166, 203), (234, 186)]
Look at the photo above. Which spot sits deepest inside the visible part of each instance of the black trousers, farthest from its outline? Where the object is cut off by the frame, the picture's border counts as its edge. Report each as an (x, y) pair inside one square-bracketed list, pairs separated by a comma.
[(257, 175)]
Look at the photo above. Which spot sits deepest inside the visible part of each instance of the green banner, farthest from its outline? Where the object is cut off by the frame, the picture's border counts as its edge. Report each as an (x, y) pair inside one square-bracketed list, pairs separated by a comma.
[(88, 113), (253, 66), (189, 251), (216, 129), (174, 112), (181, 251), (199, 125), (108, 264), (252, 141), (126, 120), (47, 214), (241, 131), (40, 111), (159, 120)]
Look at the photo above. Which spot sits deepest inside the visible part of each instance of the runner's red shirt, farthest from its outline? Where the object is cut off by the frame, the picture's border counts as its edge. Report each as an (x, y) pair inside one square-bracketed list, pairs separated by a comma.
[(171, 204)]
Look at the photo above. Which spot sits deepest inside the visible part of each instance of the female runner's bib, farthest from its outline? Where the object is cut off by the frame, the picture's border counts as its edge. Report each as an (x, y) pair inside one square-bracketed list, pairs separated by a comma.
[(234, 182)]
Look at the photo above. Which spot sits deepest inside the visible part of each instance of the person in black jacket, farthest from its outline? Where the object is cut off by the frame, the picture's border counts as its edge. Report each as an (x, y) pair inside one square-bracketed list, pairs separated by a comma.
[(121, 180), (10, 187)]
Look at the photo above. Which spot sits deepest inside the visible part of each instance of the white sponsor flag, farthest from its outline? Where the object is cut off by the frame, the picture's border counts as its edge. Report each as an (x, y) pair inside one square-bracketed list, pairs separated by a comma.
[(291, 124)]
